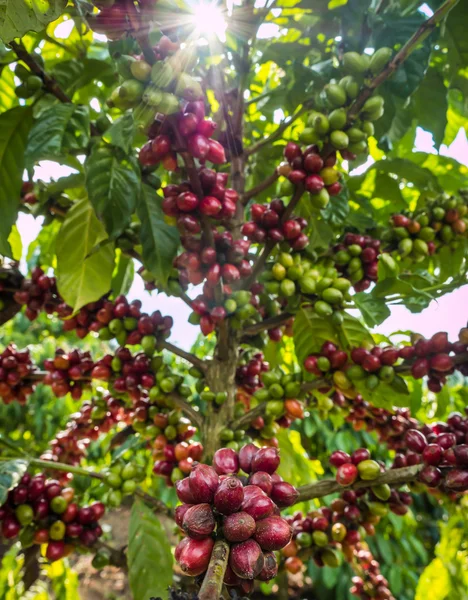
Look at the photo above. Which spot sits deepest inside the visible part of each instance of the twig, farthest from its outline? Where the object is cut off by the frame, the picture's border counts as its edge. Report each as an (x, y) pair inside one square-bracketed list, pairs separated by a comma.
[(213, 581), (194, 360), (185, 407), (49, 82), (265, 184), (278, 131), (267, 324), (330, 486), (425, 29), (58, 466), (154, 502), (245, 420)]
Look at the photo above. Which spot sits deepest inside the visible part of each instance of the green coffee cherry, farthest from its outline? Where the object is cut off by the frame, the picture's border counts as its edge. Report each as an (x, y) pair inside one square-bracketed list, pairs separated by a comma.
[(140, 70), (354, 63), (339, 140), (335, 95), (379, 59), (337, 118)]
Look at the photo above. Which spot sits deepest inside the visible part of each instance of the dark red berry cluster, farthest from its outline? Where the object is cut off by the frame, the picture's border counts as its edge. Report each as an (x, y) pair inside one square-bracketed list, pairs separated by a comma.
[(48, 508), (249, 370), (268, 223), (356, 258), (94, 417), (117, 18), (68, 372), (27, 194), (369, 583), (316, 174), (38, 294), (244, 509), (15, 368), (195, 132)]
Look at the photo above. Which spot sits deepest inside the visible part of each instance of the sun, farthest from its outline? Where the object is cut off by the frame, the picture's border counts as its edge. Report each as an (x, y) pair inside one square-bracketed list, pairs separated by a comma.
[(208, 19)]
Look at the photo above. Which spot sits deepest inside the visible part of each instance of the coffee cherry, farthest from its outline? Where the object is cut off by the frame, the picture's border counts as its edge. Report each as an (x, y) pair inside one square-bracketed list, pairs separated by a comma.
[(246, 559), (284, 494), (347, 474), (194, 556), (225, 461), (238, 527), (229, 496), (265, 459), (415, 440), (198, 521)]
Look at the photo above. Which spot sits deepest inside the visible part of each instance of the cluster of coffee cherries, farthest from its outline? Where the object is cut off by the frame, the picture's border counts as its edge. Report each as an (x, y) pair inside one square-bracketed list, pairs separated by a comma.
[(293, 275), (281, 392), (27, 194), (356, 257), (15, 368), (442, 222), (369, 582), (357, 466), (174, 451), (120, 480), (332, 126), (68, 372), (37, 294), (250, 369), (45, 511), (195, 132), (95, 416), (268, 223), (244, 509), (116, 18), (445, 459)]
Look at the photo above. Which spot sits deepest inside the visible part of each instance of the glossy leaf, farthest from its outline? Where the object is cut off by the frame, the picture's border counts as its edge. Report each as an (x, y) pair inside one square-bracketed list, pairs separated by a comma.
[(18, 17), (83, 275), (149, 554)]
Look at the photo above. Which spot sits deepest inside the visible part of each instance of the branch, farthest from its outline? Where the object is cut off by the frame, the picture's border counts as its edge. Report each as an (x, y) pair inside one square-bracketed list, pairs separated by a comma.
[(426, 28), (245, 420), (154, 502), (58, 466), (213, 581), (330, 486), (265, 184), (267, 324), (49, 82), (185, 407), (194, 360), (278, 131)]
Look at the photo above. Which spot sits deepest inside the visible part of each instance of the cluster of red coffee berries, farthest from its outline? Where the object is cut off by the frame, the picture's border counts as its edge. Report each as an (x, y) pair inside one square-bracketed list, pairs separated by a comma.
[(68, 372), (369, 583), (174, 451), (194, 130), (249, 370), (15, 368), (356, 258), (48, 508), (37, 294), (445, 455), (357, 466), (243, 509), (116, 17), (316, 174), (96, 416), (27, 194), (268, 223)]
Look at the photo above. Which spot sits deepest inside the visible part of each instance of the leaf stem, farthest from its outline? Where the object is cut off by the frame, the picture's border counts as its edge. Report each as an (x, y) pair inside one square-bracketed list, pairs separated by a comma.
[(265, 184), (194, 360)]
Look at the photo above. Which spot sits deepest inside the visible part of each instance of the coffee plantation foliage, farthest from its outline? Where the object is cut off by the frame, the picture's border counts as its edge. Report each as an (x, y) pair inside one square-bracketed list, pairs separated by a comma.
[(259, 163)]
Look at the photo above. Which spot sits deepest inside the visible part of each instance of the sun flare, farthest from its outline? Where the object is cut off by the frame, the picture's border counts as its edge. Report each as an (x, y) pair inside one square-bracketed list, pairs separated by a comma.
[(209, 21)]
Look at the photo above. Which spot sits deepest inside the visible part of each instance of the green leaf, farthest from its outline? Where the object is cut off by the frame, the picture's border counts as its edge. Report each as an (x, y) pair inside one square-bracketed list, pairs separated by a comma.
[(352, 332), (373, 310), (15, 244), (11, 472), (434, 582), (295, 464), (8, 98), (14, 128), (124, 271), (61, 128), (17, 17), (82, 278), (113, 184), (431, 105), (337, 209), (158, 239), (121, 133), (149, 554), (310, 331)]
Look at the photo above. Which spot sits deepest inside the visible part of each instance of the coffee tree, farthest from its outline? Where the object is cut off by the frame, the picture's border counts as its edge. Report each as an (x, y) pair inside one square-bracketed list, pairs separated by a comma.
[(257, 162)]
